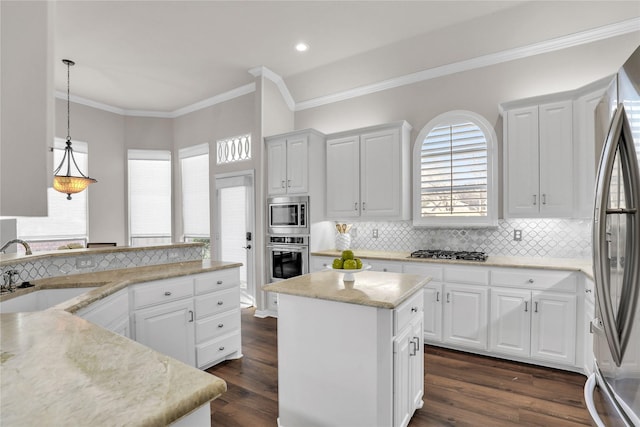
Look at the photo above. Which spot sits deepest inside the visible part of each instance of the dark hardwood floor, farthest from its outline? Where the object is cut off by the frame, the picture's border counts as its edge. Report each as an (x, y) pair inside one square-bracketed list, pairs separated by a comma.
[(461, 389)]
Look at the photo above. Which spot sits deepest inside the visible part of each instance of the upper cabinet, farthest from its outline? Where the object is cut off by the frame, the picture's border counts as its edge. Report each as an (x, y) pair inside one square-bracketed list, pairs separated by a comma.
[(549, 154), (287, 164), (368, 173)]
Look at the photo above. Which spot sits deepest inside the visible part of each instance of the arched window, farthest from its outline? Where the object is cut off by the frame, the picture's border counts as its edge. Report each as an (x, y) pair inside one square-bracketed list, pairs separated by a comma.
[(455, 172)]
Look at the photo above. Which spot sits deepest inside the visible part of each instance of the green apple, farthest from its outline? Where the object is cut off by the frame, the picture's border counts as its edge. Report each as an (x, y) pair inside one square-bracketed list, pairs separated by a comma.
[(347, 255), (358, 263), (350, 265), (337, 263)]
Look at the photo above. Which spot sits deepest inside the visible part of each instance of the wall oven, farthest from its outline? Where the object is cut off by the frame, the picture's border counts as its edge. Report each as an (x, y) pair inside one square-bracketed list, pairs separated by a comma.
[(288, 215), (287, 256)]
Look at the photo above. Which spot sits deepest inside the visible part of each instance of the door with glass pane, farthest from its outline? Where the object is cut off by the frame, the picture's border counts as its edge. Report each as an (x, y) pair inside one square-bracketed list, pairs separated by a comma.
[(235, 228)]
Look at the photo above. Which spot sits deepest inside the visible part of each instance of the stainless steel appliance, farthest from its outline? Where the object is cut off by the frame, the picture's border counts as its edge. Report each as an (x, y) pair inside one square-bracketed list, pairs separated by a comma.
[(442, 254), (287, 256), (612, 393), (288, 215)]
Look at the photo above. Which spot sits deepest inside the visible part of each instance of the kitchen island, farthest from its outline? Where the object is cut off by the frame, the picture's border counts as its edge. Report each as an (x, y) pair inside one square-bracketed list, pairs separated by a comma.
[(349, 353)]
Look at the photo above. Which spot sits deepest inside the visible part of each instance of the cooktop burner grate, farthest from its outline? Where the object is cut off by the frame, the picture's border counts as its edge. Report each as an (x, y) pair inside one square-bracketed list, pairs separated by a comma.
[(441, 254)]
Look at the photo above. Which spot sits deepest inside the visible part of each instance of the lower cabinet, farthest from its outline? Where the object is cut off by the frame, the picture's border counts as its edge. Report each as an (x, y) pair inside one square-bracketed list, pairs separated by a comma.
[(111, 313), (465, 315), (169, 329), (433, 311)]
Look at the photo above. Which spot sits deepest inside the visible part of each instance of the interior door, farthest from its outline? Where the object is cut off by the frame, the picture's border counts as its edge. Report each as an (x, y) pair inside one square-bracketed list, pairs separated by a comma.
[(236, 228)]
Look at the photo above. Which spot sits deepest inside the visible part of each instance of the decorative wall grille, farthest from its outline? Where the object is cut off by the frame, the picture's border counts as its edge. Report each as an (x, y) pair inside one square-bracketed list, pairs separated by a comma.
[(234, 149)]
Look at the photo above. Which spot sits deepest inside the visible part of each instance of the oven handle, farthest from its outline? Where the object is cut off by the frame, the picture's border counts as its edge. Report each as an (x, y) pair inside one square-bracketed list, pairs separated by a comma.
[(288, 248)]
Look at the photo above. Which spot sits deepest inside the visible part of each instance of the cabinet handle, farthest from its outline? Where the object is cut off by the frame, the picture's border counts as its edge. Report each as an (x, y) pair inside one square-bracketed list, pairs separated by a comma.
[(414, 349), (588, 291), (384, 269), (220, 302), (219, 282), (448, 299), (535, 199), (282, 184), (364, 205), (414, 309), (191, 313), (288, 183), (526, 306), (544, 199), (530, 280), (221, 348), (355, 206), (220, 325), (167, 294), (536, 309), (438, 296), (417, 341)]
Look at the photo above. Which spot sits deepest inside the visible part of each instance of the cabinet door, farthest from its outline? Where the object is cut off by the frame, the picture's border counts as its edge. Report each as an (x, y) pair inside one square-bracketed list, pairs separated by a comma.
[(510, 321), (343, 177), (401, 371), (380, 174), (416, 366), (384, 266), (433, 311), (297, 171), (522, 178), (553, 328), (277, 167), (169, 329), (465, 315), (556, 159)]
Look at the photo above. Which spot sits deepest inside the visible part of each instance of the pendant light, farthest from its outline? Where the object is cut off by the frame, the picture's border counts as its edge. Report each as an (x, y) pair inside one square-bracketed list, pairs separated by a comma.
[(69, 184)]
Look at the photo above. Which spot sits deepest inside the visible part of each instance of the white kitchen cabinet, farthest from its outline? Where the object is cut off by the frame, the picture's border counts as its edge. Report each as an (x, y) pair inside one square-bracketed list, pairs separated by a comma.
[(539, 160), (510, 322), (319, 263), (217, 308), (433, 297), (368, 173), (288, 168), (553, 327), (169, 329), (465, 315), (111, 313), (385, 266)]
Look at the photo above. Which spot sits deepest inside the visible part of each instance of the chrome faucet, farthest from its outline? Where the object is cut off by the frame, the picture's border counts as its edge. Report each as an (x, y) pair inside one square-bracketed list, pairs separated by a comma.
[(27, 248)]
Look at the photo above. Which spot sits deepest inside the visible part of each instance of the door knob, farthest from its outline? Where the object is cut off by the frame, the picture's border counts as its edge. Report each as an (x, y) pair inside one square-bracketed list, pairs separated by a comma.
[(247, 247)]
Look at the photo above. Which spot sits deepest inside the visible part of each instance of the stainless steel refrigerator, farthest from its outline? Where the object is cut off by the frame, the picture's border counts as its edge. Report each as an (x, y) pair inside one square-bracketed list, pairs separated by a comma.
[(612, 393)]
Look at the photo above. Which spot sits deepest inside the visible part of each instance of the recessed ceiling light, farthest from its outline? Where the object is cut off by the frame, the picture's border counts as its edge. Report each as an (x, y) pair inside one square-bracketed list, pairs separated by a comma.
[(302, 47)]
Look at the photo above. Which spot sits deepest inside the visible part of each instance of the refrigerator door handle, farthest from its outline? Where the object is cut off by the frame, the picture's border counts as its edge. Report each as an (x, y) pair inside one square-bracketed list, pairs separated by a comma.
[(617, 328)]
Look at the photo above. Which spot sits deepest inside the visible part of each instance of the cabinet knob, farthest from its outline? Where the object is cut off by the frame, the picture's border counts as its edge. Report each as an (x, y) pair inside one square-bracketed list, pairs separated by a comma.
[(414, 309), (221, 348), (220, 302), (384, 269), (588, 291), (220, 325), (167, 293), (219, 282), (531, 280)]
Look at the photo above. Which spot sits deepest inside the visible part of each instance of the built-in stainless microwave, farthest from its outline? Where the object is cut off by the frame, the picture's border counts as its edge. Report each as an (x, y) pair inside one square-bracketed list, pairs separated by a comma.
[(288, 215)]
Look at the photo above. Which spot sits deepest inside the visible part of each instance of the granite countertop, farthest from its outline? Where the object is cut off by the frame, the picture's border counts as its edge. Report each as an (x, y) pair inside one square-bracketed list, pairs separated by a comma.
[(583, 265), (371, 288), (57, 368), (111, 281)]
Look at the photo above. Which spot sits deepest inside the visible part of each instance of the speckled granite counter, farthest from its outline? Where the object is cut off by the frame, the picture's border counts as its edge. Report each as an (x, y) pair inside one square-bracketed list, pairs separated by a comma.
[(375, 289), (570, 264), (58, 369)]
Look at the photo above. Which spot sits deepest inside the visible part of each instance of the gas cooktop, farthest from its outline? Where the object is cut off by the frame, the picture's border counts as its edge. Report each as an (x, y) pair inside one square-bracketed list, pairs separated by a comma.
[(440, 254)]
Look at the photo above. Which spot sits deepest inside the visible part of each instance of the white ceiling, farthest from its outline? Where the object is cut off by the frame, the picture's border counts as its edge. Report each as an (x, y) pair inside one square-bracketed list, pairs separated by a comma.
[(165, 55)]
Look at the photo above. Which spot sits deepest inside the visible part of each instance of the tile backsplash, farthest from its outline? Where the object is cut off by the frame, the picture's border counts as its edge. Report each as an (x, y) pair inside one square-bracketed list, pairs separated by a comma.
[(556, 238), (93, 261)]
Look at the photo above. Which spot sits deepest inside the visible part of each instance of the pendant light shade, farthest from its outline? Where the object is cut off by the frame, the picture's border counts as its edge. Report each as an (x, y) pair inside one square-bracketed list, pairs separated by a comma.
[(69, 184)]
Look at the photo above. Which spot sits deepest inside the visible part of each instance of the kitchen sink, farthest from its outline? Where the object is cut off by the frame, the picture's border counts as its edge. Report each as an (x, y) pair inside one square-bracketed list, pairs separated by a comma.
[(40, 300)]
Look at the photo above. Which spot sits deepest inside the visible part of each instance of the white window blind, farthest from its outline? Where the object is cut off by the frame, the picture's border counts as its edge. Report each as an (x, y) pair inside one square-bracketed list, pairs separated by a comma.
[(194, 171), (149, 196), (454, 171), (67, 219)]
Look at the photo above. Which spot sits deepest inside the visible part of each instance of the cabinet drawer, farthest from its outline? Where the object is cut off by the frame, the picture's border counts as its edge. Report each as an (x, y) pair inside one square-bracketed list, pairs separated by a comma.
[(433, 271), (217, 302), (408, 310), (162, 291), (217, 280), (471, 275), (562, 281), (389, 266), (215, 350), (215, 326)]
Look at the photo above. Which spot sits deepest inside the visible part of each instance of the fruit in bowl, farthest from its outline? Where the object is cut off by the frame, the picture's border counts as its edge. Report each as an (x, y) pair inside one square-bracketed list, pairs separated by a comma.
[(347, 261)]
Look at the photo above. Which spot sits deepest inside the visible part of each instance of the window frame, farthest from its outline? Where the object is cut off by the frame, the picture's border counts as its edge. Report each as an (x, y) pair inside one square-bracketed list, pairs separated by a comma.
[(185, 153), (491, 219)]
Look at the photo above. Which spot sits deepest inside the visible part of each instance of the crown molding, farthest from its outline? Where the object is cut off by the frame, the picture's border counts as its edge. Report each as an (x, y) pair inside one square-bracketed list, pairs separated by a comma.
[(559, 43), (564, 42), (275, 78)]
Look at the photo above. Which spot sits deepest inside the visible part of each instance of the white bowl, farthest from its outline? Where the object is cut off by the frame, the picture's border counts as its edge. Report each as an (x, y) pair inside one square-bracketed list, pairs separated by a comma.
[(349, 274)]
